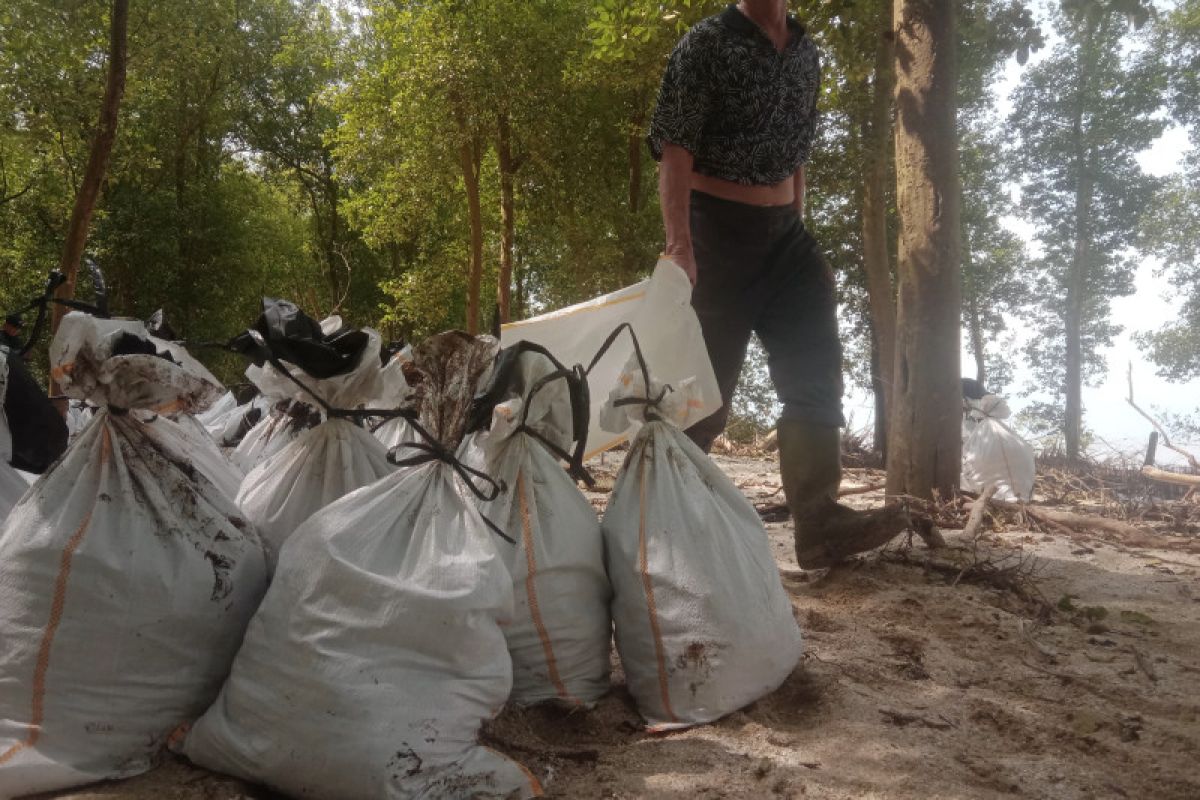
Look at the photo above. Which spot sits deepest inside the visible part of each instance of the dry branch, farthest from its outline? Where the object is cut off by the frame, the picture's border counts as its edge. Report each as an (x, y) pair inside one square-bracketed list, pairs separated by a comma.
[(873, 487), (1166, 439)]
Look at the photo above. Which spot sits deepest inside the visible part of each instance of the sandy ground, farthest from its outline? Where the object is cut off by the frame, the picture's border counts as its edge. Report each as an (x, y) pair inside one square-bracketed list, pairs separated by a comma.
[(912, 686)]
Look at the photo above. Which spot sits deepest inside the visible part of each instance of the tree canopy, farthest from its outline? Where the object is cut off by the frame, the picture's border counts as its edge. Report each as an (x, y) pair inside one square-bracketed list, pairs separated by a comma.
[(422, 166)]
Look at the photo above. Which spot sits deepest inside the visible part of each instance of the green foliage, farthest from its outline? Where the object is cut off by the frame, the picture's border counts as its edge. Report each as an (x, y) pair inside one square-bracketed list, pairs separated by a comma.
[(1172, 230), (312, 150)]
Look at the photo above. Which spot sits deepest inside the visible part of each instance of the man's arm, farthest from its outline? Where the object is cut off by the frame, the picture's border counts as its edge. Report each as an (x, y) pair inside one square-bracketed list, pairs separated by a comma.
[(799, 186), (675, 196)]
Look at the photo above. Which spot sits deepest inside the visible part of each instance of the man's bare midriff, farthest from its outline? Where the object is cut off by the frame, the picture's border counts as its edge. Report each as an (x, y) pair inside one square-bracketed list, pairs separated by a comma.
[(779, 194)]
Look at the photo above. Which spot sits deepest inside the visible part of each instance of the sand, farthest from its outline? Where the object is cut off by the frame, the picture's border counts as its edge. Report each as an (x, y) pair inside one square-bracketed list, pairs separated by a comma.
[(912, 686)]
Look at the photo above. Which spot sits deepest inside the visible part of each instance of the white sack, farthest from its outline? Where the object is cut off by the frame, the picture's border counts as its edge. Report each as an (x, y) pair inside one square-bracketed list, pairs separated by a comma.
[(395, 393), (322, 464), (126, 579), (278, 428), (206, 456), (292, 411), (79, 414), (660, 311), (217, 416), (375, 656), (703, 624), (561, 631), (12, 488), (994, 453)]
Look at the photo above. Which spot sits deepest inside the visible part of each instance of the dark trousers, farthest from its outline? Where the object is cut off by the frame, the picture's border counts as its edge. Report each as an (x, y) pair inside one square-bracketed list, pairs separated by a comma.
[(759, 271)]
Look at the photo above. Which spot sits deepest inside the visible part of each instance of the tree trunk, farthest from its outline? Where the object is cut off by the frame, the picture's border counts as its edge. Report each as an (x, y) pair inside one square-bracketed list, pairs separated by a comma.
[(468, 155), (877, 263), (1077, 272), (975, 330), (97, 164), (507, 218), (879, 442), (636, 144), (924, 442), (333, 246)]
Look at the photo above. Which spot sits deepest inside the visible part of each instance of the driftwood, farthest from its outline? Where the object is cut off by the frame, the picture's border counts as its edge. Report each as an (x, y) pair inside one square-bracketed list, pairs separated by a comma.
[(1175, 478), (1122, 532)]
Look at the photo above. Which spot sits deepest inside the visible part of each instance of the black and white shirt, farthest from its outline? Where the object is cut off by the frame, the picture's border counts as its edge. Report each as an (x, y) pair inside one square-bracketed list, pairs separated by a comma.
[(744, 110)]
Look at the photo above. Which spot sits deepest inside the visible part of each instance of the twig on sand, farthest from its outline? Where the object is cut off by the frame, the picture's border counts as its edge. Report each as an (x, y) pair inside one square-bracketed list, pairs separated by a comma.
[(1013, 572), (1144, 664), (903, 718), (978, 508), (873, 487)]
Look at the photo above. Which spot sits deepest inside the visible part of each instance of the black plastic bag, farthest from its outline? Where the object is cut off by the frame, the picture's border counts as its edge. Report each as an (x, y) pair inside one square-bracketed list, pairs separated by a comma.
[(293, 336), (39, 433)]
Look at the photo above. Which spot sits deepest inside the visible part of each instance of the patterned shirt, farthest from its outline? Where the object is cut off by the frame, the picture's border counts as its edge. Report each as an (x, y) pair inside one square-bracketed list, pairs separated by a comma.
[(745, 111)]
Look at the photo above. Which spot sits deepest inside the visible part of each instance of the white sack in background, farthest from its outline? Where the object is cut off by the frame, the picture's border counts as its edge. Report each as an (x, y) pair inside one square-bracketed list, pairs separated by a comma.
[(215, 418), (994, 453), (396, 391), (322, 464)]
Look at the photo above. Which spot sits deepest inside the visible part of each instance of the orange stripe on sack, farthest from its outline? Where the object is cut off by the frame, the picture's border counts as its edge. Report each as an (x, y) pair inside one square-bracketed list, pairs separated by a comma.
[(170, 408), (56, 611), (62, 371), (531, 593), (648, 585)]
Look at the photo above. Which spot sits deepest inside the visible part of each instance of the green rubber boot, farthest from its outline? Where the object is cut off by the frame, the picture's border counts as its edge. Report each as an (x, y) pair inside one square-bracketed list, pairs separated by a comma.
[(827, 532)]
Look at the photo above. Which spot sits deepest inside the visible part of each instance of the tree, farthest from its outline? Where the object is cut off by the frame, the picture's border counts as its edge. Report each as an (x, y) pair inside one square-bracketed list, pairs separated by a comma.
[(1172, 229), (97, 163), (924, 445), (1081, 116), (994, 258)]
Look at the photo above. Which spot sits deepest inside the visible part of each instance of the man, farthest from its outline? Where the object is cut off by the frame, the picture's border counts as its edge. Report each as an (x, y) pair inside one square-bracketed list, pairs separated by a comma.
[(733, 127)]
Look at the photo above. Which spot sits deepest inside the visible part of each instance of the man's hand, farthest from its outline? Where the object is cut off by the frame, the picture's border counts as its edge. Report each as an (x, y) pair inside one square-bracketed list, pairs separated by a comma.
[(675, 192), (799, 187), (684, 258)]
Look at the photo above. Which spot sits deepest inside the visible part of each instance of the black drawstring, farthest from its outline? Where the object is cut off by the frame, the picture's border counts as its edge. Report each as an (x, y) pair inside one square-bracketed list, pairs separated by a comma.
[(651, 404), (430, 449), (42, 304), (577, 387), (433, 450)]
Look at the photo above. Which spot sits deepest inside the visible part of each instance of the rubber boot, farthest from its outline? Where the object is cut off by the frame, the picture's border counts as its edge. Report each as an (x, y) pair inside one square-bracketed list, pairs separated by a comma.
[(827, 532)]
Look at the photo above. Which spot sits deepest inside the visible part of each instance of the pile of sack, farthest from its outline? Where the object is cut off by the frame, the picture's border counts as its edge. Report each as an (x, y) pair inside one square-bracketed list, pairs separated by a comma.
[(378, 651), (341, 622)]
